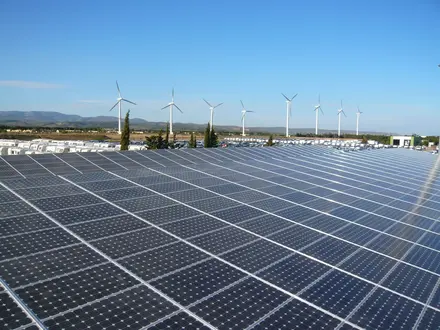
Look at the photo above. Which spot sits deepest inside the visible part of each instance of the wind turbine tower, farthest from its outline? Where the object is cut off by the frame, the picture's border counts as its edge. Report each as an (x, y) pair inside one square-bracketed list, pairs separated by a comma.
[(341, 110), (317, 109), (171, 105), (288, 111), (358, 114), (120, 99), (211, 108), (243, 116)]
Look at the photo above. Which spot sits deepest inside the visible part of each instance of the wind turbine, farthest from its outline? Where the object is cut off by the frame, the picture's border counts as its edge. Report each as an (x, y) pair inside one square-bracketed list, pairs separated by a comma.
[(120, 99), (171, 105), (317, 108), (358, 114), (341, 110), (243, 115), (288, 111), (212, 113)]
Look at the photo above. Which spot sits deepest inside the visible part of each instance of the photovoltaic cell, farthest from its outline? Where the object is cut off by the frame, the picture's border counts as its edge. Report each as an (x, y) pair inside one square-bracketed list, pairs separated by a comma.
[(91, 230), (369, 265), (163, 260), (24, 224), (296, 314), (179, 321), (255, 256), (239, 306), (21, 245), (294, 273), (168, 214), (11, 315), (386, 310), (42, 266), (85, 213), (202, 256), (222, 240), (191, 284), (74, 290), (265, 225), (338, 293), (296, 237), (411, 282), (132, 242), (130, 309)]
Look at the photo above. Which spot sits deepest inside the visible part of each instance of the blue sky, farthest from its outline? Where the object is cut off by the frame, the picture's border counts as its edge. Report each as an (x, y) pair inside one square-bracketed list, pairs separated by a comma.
[(381, 55)]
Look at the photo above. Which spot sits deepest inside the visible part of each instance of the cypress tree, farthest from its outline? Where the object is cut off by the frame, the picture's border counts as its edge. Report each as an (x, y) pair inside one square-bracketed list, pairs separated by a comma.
[(213, 139), (167, 137), (207, 141), (270, 141), (172, 145), (191, 140), (125, 136), (160, 140)]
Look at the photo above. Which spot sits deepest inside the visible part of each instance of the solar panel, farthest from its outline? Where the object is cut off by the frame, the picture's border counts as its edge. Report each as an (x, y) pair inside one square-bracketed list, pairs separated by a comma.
[(257, 238)]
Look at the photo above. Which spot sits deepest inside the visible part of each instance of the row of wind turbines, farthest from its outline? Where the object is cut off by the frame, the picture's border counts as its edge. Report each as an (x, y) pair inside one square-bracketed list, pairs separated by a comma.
[(317, 110), (172, 104)]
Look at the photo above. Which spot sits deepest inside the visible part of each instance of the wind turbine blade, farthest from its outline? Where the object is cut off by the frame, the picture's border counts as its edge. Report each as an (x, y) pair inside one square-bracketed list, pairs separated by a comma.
[(117, 86), (129, 101), (321, 110), (249, 111), (172, 93), (319, 98), (114, 106), (285, 97), (167, 106), (293, 96), (341, 105), (218, 105), (178, 107), (243, 115), (344, 113), (207, 103), (242, 104)]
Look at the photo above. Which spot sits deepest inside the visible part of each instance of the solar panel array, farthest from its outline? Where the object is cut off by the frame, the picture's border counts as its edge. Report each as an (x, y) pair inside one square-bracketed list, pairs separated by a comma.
[(239, 238)]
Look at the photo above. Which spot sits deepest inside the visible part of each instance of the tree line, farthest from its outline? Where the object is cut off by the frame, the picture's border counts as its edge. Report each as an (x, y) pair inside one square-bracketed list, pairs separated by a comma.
[(158, 141)]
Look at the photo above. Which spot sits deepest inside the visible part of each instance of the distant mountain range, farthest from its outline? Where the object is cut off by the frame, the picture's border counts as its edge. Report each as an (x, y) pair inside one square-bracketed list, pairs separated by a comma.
[(52, 119)]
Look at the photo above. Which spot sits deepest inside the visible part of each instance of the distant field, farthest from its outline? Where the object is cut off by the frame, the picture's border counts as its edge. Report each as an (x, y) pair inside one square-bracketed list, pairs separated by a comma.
[(82, 136), (114, 137), (20, 136)]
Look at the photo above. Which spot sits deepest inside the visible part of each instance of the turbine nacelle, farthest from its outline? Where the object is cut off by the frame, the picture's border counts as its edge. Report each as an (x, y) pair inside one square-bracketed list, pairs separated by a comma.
[(289, 100), (341, 111), (318, 107), (172, 104), (211, 107)]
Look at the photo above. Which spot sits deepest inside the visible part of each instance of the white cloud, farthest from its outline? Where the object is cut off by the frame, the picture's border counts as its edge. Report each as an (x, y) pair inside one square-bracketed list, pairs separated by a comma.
[(29, 84)]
